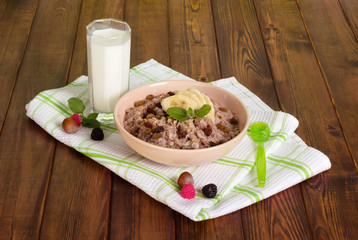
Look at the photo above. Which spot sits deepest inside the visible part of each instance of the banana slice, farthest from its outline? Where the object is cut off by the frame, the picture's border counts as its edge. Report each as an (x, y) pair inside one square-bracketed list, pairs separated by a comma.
[(188, 98)]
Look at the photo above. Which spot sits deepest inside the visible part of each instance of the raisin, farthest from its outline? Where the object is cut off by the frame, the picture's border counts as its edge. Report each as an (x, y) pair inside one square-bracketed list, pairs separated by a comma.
[(234, 121), (158, 105), (212, 144), (157, 135), (219, 126), (158, 129), (150, 110), (226, 130), (147, 131), (170, 93), (148, 124), (181, 134), (150, 115), (134, 131), (223, 109), (149, 97), (208, 130), (139, 103)]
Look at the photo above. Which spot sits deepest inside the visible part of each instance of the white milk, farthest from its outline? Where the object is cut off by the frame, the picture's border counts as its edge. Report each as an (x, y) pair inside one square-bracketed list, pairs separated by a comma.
[(108, 67)]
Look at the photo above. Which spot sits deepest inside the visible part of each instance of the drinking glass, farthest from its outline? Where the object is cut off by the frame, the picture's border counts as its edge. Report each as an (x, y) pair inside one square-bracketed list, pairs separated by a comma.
[(108, 56)]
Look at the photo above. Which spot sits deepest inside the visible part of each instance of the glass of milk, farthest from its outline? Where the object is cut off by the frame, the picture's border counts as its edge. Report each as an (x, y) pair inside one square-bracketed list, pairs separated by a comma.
[(108, 56)]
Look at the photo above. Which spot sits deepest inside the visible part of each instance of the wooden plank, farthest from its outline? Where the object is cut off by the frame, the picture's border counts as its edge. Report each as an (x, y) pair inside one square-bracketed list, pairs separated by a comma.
[(15, 23), (148, 21), (241, 49), (134, 214), (26, 150), (226, 227), (303, 92), (350, 9), (337, 51), (193, 50), (78, 199), (336, 48)]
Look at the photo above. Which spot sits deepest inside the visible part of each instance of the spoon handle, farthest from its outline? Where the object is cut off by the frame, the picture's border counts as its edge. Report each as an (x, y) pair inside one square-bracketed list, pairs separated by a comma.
[(261, 164)]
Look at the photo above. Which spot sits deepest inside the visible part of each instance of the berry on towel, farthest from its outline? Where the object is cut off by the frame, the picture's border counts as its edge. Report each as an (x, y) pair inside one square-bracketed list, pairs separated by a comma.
[(97, 134), (77, 118), (188, 191), (210, 190)]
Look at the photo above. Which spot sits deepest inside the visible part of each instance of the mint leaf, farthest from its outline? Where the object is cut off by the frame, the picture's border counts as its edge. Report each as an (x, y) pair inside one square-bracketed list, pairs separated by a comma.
[(190, 112), (177, 113), (201, 112), (92, 116), (76, 105), (90, 123)]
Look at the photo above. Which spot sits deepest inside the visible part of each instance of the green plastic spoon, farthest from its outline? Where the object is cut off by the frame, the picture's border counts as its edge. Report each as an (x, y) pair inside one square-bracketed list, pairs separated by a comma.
[(260, 132)]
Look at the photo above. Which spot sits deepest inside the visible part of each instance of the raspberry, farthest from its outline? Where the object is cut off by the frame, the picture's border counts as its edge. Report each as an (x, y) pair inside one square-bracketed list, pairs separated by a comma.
[(97, 134), (210, 190), (188, 191), (77, 118)]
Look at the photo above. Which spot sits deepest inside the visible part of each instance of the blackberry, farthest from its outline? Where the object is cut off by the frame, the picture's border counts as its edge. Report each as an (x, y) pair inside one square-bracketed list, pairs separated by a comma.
[(210, 190), (97, 134)]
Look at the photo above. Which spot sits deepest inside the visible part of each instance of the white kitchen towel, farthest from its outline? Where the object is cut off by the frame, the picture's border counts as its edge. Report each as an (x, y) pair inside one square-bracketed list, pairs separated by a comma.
[(289, 159)]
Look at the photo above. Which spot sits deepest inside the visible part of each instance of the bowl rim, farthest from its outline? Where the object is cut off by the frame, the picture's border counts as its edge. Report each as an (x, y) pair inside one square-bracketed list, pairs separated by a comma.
[(120, 124)]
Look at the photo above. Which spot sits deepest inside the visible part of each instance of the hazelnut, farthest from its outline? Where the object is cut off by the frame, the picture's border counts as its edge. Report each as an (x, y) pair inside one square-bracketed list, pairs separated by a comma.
[(185, 178), (69, 125)]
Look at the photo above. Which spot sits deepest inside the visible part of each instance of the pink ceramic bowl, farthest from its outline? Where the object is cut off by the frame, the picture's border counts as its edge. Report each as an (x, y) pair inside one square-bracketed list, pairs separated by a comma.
[(180, 157)]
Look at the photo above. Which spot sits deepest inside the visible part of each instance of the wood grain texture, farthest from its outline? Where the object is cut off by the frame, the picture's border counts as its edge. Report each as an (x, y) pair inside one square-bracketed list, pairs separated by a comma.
[(26, 150), (91, 10), (76, 180), (350, 9), (336, 48), (226, 227), (149, 23), (78, 198), (242, 54), (337, 51), (241, 49), (193, 49), (298, 77), (134, 214), (15, 23)]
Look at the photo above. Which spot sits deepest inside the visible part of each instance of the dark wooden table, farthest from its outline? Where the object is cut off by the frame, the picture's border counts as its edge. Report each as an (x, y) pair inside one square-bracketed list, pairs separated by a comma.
[(300, 57)]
